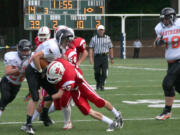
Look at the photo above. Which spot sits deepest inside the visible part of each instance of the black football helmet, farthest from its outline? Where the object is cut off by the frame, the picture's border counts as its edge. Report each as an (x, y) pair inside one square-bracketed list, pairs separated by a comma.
[(167, 16), (64, 37), (24, 48)]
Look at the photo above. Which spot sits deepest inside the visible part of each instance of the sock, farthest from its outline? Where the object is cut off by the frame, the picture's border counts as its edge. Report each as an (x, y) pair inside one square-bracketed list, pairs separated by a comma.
[(107, 120), (0, 113), (52, 108), (45, 110), (115, 112), (168, 108), (35, 115), (67, 114), (29, 120)]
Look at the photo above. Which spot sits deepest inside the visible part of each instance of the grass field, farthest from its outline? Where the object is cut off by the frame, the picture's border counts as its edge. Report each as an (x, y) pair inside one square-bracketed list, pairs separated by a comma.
[(128, 80)]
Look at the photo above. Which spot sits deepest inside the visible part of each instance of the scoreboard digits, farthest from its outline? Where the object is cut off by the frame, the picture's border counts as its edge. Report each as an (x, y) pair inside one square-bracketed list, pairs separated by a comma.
[(72, 13)]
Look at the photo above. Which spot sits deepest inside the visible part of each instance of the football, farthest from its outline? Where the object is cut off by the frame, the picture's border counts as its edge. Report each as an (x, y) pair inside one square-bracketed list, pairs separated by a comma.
[(43, 63)]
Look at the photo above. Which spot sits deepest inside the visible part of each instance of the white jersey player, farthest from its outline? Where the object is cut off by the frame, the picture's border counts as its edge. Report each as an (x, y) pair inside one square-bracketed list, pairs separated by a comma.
[(15, 64), (171, 38), (168, 33)]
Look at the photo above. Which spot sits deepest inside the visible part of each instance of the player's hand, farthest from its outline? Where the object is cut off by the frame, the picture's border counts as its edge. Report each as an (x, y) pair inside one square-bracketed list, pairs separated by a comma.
[(40, 95), (159, 41), (112, 61)]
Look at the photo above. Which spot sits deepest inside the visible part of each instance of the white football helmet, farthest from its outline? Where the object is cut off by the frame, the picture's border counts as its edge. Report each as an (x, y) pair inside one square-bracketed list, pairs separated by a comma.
[(55, 71), (44, 34)]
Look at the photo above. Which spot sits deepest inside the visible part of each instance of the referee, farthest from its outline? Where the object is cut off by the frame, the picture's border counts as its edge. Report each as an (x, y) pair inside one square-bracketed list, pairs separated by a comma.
[(100, 47)]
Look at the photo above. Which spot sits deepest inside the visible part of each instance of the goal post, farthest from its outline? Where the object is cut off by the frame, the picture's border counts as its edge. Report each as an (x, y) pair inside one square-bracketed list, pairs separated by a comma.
[(123, 34)]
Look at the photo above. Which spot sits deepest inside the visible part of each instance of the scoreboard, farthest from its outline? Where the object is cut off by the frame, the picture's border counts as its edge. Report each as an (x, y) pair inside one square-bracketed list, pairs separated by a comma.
[(71, 13)]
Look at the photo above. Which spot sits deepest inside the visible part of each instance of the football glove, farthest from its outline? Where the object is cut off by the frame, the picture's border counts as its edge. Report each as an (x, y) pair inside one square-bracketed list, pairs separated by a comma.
[(159, 41)]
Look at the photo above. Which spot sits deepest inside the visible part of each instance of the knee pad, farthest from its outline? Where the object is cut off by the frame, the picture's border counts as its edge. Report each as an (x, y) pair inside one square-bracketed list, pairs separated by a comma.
[(168, 88), (35, 97)]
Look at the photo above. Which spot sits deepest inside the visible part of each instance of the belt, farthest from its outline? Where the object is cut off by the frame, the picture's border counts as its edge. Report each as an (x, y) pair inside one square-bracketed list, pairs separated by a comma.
[(173, 61), (101, 54)]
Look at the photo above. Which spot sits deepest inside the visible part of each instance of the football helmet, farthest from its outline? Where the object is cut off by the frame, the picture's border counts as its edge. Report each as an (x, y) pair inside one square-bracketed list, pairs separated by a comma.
[(44, 34), (55, 72), (64, 37), (60, 27), (24, 48), (167, 16)]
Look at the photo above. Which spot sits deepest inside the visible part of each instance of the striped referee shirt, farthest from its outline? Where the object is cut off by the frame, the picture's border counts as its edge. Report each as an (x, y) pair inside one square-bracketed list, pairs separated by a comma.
[(101, 44)]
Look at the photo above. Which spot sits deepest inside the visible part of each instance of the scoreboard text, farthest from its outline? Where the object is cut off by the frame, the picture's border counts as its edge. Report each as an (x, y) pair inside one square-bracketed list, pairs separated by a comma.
[(71, 13)]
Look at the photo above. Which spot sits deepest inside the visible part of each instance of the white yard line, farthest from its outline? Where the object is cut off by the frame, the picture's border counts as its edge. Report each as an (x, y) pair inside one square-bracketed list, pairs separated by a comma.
[(75, 121), (132, 68)]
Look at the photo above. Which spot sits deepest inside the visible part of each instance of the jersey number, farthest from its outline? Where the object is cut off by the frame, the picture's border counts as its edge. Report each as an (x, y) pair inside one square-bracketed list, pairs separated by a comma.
[(175, 41)]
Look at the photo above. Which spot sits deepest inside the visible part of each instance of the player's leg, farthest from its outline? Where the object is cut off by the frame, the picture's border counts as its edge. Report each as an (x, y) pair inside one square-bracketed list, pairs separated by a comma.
[(8, 93), (99, 116), (92, 96), (64, 103), (85, 108), (50, 89), (32, 77), (169, 92)]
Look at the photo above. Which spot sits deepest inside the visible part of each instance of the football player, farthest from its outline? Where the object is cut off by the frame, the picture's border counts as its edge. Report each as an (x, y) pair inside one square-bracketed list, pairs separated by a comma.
[(64, 102), (66, 78), (168, 34), (49, 50), (44, 34), (15, 64)]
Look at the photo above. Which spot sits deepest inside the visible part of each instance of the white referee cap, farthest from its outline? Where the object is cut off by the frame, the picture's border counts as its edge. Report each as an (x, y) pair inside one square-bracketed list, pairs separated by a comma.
[(100, 27)]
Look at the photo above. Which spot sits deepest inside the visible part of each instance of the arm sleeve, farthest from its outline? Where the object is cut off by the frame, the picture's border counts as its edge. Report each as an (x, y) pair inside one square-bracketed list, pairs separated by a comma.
[(110, 43)]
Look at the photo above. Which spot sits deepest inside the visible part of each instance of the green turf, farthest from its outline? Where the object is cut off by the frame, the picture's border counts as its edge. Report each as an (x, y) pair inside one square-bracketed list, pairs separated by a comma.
[(133, 79)]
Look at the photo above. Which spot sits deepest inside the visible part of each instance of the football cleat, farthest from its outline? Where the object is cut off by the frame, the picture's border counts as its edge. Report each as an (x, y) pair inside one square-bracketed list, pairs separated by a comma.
[(67, 126), (112, 126), (28, 129), (46, 120), (163, 116), (119, 120)]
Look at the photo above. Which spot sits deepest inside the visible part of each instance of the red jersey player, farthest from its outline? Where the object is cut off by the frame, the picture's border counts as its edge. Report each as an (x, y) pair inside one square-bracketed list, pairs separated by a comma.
[(44, 34), (80, 45), (66, 78)]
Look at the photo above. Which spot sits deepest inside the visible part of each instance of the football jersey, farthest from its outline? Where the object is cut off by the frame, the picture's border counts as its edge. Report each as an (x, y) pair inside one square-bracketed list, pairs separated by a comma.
[(13, 59), (37, 42), (70, 77), (71, 55), (80, 45), (171, 36), (50, 49)]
